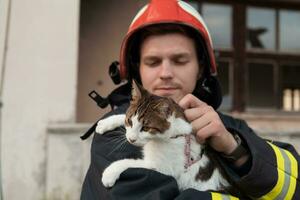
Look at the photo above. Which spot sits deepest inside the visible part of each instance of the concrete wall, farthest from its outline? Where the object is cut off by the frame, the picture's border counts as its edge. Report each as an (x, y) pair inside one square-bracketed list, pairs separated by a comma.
[(4, 12), (68, 159), (275, 125), (39, 88)]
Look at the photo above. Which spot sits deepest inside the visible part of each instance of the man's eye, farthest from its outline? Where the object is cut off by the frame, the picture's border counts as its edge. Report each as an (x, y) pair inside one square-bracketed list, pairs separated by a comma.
[(181, 61), (153, 64)]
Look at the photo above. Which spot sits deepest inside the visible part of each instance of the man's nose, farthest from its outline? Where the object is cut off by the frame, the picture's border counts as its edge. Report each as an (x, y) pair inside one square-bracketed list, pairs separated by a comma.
[(166, 70)]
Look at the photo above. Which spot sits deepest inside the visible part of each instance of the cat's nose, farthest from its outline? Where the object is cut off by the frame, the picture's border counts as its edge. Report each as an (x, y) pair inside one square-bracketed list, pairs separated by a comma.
[(132, 140)]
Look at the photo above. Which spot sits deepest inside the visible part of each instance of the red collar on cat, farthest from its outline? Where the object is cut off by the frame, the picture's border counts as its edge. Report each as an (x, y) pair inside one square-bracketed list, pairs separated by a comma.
[(189, 160)]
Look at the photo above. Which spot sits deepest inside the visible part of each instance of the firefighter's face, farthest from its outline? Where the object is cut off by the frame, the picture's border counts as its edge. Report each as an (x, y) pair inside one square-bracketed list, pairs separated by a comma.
[(169, 65)]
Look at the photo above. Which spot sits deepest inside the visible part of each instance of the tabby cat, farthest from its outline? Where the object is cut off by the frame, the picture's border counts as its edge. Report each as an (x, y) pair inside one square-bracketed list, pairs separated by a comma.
[(159, 126)]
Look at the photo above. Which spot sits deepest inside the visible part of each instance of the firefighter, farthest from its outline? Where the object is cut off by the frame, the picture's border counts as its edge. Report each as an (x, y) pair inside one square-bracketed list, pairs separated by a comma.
[(168, 49)]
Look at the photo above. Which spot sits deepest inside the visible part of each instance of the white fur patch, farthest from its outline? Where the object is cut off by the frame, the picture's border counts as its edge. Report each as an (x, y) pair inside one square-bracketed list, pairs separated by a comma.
[(179, 126), (133, 132), (110, 123), (112, 173)]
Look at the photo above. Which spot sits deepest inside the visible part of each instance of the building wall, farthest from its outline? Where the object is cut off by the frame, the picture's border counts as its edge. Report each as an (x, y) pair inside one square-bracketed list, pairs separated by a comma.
[(103, 27), (39, 88), (4, 12), (68, 159)]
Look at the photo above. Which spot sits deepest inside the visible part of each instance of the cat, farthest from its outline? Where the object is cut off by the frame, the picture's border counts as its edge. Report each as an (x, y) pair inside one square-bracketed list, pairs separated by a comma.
[(158, 125)]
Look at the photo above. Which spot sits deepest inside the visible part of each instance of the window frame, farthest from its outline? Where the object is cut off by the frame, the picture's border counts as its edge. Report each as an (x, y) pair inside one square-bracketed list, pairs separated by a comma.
[(240, 56)]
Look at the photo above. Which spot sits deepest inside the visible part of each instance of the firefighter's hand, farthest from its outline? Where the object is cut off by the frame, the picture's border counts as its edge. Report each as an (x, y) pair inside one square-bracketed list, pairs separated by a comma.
[(207, 125)]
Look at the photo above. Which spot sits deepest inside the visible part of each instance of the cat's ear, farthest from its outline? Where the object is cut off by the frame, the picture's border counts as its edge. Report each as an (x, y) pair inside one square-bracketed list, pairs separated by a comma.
[(137, 90), (164, 107)]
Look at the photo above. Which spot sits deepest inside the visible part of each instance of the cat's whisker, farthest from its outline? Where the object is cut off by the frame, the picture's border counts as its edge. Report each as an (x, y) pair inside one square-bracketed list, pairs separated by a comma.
[(123, 146), (117, 139), (116, 148), (114, 140), (118, 145), (120, 132)]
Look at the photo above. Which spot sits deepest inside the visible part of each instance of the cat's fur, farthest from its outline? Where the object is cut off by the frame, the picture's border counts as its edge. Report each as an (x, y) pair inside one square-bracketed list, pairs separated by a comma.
[(158, 125)]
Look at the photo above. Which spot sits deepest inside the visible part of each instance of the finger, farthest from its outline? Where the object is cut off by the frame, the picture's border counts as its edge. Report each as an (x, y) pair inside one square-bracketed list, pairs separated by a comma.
[(204, 133), (202, 121), (197, 112), (193, 113), (190, 101)]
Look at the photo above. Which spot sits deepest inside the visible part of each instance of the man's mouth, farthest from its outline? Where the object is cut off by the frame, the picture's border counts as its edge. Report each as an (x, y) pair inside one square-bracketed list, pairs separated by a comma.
[(165, 90)]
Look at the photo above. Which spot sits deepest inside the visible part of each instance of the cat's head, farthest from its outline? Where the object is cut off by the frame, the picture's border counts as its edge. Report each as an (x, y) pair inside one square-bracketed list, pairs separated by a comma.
[(150, 117)]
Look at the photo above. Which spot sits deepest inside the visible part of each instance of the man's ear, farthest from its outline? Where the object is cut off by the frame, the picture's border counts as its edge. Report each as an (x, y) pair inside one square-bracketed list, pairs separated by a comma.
[(137, 90)]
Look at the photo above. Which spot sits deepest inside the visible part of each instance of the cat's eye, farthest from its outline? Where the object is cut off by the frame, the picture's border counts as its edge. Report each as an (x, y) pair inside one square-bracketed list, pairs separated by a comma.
[(150, 129), (156, 130), (145, 128)]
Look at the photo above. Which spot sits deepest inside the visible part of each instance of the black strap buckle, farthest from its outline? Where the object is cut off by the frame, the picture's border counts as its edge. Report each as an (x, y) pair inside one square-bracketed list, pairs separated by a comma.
[(101, 102)]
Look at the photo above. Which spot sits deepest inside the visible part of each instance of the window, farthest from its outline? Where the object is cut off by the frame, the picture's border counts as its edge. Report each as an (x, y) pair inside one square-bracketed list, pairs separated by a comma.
[(290, 87), (271, 85), (261, 90), (291, 99), (224, 76), (219, 22), (272, 39), (290, 31), (260, 28)]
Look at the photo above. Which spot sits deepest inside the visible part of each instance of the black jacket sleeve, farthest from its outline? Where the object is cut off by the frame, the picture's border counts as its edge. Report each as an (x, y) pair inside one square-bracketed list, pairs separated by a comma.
[(274, 165)]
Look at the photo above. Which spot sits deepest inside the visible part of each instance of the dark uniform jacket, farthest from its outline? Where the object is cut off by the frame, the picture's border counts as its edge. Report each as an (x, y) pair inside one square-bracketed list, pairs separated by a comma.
[(271, 173)]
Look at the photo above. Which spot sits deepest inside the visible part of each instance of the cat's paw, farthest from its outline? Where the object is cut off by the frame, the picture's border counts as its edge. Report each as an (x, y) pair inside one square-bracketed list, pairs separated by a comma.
[(101, 127), (110, 176), (105, 125), (109, 123)]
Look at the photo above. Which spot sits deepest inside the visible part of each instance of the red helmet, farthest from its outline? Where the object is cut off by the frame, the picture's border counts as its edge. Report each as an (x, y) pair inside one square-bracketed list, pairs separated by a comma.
[(167, 11)]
